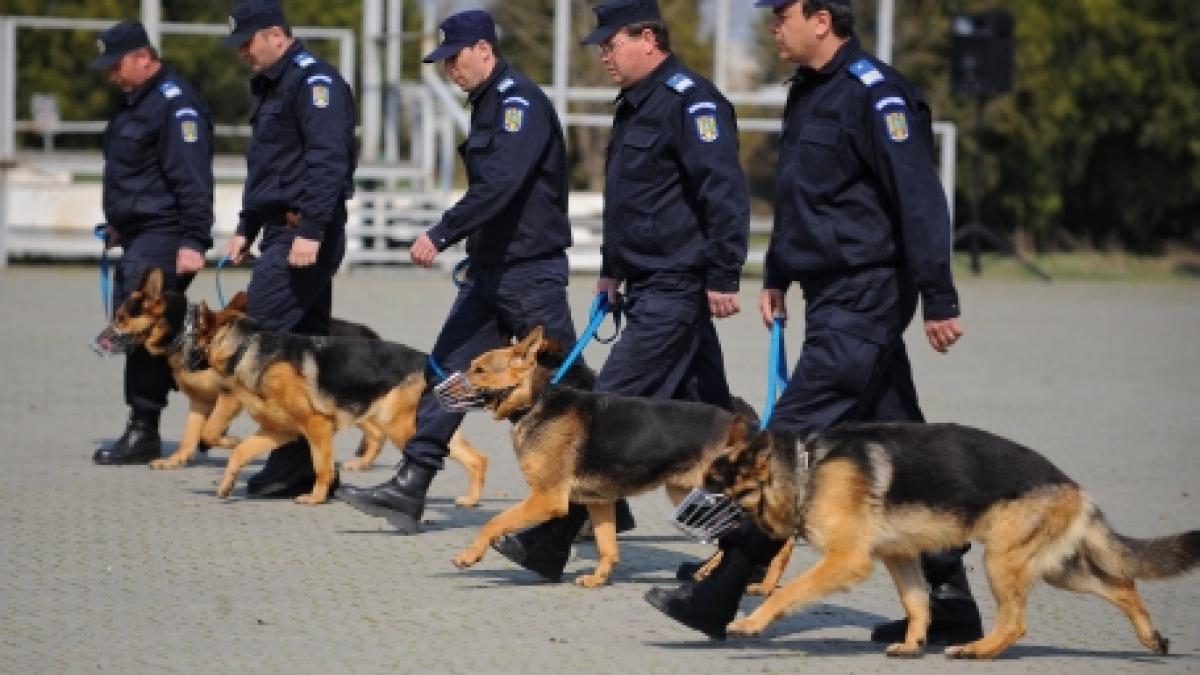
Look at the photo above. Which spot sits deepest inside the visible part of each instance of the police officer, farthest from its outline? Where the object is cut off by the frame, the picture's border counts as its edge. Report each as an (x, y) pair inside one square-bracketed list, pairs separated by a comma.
[(861, 224), (300, 172), (676, 219), (514, 220), (158, 192)]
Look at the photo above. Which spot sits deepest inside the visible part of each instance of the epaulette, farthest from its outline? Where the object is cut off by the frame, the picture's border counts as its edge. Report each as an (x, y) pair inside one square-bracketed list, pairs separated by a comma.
[(170, 90), (866, 71), (304, 59), (505, 84), (680, 82)]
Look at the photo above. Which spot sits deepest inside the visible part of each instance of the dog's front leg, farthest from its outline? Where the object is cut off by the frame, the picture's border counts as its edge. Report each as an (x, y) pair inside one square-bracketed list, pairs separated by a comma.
[(368, 448), (832, 573), (534, 509), (604, 528), (197, 412), (319, 432), (261, 441), (216, 426), (475, 462)]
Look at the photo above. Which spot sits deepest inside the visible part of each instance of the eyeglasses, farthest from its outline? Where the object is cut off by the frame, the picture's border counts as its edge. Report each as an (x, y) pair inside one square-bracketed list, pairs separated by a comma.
[(609, 46)]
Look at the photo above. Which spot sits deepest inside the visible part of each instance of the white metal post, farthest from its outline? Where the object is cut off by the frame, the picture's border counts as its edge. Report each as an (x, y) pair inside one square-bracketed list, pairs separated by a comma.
[(152, 20), (371, 96), (562, 55), (886, 22), (722, 45), (8, 88), (394, 73)]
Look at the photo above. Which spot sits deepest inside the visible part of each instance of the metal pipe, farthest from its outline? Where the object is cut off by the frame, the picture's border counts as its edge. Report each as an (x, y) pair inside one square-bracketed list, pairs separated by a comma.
[(394, 73), (152, 20), (371, 97), (8, 88), (721, 45), (886, 19), (562, 55)]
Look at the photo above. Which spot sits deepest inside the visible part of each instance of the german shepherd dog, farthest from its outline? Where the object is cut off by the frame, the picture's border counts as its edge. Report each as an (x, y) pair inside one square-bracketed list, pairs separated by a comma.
[(894, 491), (158, 320), (590, 448), (302, 385)]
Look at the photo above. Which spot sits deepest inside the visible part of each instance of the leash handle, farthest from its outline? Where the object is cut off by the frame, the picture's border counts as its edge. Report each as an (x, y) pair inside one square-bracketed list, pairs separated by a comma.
[(600, 307), (101, 233), (777, 376), (220, 264)]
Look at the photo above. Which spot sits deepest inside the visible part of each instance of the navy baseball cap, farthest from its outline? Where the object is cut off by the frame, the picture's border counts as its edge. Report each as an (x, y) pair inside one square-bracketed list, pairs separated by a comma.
[(616, 14), (118, 41), (780, 3), (463, 30), (251, 16)]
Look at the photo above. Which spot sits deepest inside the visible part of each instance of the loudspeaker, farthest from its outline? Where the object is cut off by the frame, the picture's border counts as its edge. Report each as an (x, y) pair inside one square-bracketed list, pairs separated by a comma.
[(981, 52)]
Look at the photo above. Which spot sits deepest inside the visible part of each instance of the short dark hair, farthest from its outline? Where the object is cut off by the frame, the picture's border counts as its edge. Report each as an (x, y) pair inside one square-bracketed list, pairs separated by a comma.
[(841, 15), (661, 36)]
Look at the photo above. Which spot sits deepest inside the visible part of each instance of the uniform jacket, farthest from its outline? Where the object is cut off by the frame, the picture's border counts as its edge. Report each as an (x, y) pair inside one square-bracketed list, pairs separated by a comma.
[(856, 185), (675, 196), (301, 155), (158, 162), (515, 207)]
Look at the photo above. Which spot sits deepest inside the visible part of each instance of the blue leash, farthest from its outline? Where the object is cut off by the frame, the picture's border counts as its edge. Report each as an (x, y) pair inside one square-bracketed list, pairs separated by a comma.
[(777, 375), (220, 264), (600, 308), (101, 233)]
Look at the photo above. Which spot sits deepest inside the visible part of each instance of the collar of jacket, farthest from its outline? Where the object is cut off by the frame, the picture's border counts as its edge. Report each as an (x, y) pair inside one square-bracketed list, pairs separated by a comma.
[(836, 64), (135, 97), (498, 72), (276, 70), (636, 94)]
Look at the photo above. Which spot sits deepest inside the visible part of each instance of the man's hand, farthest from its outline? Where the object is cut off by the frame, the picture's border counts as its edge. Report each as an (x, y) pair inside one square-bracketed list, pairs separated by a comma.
[(771, 304), (422, 251), (943, 333), (608, 286), (304, 252), (236, 249), (723, 305), (188, 261)]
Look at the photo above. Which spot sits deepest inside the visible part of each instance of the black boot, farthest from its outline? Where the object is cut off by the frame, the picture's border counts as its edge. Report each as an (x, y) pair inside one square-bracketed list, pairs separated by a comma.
[(711, 604), (545, 548), (954, 615), (401, 500), (139, 444), (287, 473)]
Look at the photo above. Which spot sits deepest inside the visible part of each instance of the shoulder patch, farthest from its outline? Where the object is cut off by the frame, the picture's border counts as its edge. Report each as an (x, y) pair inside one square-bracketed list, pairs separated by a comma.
[(304, 59), (190, 131), (890, 100), (680, 82), (320, 95), (896, 122), (505, 84), (866, 71), (514, 117), (170, 90)]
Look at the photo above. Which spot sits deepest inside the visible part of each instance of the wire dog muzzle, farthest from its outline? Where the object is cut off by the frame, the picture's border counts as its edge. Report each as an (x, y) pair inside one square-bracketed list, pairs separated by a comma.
[(113, 342), (705, 516), (456, 394)]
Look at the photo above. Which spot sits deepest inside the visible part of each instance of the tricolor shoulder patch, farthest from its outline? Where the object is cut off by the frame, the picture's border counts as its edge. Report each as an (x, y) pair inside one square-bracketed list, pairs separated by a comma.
[(896, 122), (866, 72), (704, 117), (190, 131)]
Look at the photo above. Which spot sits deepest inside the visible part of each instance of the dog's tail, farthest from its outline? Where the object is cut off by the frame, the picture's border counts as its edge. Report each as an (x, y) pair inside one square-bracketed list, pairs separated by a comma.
[(1132, 558)]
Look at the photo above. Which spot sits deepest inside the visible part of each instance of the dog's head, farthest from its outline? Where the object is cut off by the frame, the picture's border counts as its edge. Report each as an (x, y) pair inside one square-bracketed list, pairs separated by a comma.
[(149, 317), (510, 379), (761, 476), (214, 340)]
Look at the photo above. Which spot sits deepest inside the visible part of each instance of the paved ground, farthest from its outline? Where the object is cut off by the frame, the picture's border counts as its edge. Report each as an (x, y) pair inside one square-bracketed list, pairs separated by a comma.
[(128, 570)]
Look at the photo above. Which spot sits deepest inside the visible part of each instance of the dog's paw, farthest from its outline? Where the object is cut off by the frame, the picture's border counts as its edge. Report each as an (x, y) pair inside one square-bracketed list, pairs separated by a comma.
[(902, 650), (168, 463), (465, 559), (310, 499), (225, 490), (591, 580), (759, 589), (466, 502), (744, 628), (357, 464), (962, 652)]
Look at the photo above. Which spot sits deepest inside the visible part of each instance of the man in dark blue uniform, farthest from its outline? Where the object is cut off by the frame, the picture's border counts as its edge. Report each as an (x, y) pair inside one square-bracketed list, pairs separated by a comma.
[(514, 220), (861, 224), (158, 192), (676, 219), (300, 172)]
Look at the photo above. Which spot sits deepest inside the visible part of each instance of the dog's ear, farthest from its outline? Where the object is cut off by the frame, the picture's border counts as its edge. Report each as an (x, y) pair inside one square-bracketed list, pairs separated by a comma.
[(151, 283), (528, 348), (238, 302)]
